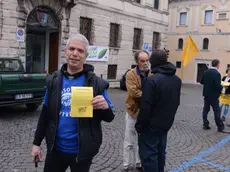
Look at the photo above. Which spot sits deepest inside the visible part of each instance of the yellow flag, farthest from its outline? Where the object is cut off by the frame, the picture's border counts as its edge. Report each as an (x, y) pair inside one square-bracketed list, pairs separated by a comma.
[(190, 50)]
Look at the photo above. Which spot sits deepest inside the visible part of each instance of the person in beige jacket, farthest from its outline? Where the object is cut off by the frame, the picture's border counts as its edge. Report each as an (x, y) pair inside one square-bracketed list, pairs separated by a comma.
[(134, 82)]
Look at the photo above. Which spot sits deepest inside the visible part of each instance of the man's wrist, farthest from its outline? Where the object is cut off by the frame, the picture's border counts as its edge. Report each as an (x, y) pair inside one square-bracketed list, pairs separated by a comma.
[(36, 142)]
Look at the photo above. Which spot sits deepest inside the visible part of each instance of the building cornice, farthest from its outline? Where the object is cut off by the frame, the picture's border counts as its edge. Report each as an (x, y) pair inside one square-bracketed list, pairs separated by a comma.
[(198, 33), (146, 6), (190, 2), (121, 12)]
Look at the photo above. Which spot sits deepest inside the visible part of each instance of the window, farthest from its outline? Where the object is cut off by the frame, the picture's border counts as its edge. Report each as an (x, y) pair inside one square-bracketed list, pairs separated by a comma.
[(41, 17), (183, 18), (178, 64), (180, 44), (11, 65), (86, 28), (133, 66), (228, 66), (112, 72), (137, 1), (208, 17), (205, 43), (114, 34), (156, 4), (156, 40), (137, 39), (222, 16)]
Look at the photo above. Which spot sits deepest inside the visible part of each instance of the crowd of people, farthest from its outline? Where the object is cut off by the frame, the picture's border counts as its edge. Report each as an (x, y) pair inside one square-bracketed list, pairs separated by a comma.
[(153, 97)]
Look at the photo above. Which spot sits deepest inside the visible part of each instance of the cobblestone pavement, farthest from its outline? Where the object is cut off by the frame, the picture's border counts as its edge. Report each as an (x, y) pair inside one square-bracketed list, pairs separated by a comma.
[(189, 147)]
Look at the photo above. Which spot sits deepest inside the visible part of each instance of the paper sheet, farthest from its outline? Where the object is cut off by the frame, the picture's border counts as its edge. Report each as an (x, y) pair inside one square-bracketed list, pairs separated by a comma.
[(225, 84), (225, 99), (81, 106)]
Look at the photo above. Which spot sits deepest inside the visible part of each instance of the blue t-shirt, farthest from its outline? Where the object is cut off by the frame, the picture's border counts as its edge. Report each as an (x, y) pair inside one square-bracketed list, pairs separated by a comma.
[(67, 132)]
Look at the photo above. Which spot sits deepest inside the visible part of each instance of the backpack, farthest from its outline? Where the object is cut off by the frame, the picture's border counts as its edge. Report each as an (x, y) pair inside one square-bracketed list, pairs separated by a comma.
[(123, 81)]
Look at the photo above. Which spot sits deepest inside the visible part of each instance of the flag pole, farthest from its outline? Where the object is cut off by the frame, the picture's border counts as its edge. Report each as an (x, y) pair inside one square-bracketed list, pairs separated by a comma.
[(204, 60)]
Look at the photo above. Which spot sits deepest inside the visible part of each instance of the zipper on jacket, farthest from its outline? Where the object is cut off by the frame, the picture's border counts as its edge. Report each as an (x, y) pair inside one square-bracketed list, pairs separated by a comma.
[(78, 128), (78, 121)]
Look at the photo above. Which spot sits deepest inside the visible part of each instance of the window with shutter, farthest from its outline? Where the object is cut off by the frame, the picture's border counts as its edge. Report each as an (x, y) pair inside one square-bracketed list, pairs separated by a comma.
[(222, 16), (208, 17), (137, 1), (178, 64), (137, 39), (86, 28), (180, 44), (183, 18), (156, 40), (205, 43), (114, 35), (112, 71), (156, 4)]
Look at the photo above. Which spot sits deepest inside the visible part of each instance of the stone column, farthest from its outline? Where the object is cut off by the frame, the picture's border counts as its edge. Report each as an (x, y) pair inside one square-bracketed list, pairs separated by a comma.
[(64, 32), (1, 19)]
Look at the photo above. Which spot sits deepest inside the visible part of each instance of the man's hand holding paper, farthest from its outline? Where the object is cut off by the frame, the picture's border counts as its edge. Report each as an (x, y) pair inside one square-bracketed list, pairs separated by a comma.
[(99, 102), (225, 84)]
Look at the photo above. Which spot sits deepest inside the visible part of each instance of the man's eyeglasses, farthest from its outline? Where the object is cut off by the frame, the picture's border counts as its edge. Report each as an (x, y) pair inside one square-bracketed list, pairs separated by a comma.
[(143, 61)]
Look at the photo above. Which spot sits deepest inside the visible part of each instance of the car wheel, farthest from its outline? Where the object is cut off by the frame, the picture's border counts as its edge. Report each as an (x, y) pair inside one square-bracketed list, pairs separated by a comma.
[(32, 106)]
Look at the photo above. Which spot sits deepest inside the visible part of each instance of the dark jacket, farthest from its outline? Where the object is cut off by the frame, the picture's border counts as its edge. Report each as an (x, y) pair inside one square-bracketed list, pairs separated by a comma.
[(89, 129), (160, 101), (227, 91), (211, 81)]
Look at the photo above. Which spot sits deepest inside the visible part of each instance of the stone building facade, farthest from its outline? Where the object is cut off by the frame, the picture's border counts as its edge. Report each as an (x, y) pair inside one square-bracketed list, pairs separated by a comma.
[(122, 25), (207, 21)]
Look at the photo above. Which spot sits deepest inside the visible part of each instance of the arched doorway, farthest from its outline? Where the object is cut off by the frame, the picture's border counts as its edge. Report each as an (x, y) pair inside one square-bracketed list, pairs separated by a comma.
[(42, 40)]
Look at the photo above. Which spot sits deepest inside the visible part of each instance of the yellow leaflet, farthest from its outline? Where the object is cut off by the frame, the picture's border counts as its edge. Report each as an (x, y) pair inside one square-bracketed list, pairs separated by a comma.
[(81, 106), (225, 99), (225, 84)]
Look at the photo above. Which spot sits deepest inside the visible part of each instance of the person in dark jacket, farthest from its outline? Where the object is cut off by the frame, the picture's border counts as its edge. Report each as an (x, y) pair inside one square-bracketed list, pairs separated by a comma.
[(225, 91), (212, 88), (72, 142), (159, 104)]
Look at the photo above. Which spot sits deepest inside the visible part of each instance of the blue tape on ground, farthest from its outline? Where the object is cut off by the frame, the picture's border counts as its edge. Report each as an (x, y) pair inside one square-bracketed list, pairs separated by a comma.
[(215, 165), (200, 156)]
